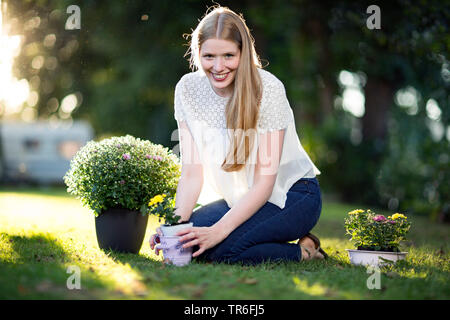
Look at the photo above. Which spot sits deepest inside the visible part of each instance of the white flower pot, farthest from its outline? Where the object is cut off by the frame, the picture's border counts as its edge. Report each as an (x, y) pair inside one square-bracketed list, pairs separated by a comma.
[(173, 251), (170, 245), (172, 230), (374, 258)]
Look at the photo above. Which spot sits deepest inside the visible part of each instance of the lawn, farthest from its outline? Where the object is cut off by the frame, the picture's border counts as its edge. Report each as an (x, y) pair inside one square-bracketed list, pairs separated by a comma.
[(44, 232)]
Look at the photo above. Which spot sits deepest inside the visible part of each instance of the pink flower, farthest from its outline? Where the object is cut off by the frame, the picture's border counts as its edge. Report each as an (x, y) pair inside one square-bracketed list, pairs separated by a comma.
[(379, 218), (122, 182), (159, 158), (392, 222), (126, 156)]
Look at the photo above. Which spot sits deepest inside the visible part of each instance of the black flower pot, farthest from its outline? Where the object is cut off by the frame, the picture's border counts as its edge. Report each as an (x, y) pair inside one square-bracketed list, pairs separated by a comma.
[(121, 230)]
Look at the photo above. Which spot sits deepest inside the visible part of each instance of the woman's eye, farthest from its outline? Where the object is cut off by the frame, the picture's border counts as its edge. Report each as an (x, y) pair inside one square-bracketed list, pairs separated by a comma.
[(229, 55)]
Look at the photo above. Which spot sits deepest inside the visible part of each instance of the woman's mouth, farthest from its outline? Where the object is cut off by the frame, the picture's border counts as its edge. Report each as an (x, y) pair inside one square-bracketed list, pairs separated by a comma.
[(220, 77)]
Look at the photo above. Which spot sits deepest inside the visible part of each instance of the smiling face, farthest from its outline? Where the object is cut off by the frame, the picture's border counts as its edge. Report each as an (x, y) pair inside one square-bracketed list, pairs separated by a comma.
[(220, 60)]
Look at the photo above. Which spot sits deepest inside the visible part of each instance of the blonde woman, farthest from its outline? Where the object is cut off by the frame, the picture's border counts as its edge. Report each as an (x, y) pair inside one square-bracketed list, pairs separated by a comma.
[(238, 142)]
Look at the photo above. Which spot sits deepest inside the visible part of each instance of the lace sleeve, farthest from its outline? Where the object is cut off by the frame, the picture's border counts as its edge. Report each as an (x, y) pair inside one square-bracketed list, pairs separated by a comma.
[(275, 112), (178, 105)]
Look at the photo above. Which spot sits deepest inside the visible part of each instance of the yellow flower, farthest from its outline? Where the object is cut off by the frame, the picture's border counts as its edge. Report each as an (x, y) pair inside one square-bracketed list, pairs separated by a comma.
[(356, 211), (156, 199), (398, 215)]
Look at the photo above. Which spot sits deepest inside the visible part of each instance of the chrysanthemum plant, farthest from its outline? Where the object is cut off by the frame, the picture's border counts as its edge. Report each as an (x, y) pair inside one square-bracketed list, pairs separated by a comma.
[(124, 172), (163, 206), (373, 232)]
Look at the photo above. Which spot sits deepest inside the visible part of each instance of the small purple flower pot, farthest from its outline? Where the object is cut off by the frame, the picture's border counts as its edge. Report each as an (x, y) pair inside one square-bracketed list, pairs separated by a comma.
[(173, 251)]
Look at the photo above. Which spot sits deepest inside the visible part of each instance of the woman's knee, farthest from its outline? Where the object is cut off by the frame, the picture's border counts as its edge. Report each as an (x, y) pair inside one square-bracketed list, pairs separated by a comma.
[(209, 214), (197, 219)]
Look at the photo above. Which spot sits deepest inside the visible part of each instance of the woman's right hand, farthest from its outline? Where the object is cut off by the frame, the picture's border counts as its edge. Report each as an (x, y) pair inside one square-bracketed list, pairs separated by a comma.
[(153, 240)]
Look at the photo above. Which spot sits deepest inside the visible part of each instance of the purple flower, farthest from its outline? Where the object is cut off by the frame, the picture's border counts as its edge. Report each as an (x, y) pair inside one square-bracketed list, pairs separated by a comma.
[(379, 218), (392, 222), (148, 156), (122, 182), (158, 158), (126, 156)]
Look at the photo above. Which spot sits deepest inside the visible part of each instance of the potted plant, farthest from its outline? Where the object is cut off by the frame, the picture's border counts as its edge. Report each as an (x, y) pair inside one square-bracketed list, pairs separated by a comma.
[(376, 237), (163, 206), (114, 177)]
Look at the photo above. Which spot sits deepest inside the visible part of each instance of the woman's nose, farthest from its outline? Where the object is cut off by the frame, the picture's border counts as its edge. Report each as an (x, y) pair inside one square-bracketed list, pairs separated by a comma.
[(218, 65)]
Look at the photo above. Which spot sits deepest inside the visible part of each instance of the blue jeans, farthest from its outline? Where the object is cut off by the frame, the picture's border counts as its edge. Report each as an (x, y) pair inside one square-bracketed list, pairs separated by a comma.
[(265, 236)]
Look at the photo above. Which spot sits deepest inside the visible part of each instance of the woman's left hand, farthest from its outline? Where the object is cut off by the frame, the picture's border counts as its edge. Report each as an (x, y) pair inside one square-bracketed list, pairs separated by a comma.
[(204, 237)]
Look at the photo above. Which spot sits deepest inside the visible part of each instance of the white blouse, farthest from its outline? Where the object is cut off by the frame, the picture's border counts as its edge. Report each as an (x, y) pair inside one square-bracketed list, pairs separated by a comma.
[(203, 110)]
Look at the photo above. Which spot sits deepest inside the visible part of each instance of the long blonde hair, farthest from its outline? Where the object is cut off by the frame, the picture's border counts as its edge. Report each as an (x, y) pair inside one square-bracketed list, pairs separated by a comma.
[(243, 106)]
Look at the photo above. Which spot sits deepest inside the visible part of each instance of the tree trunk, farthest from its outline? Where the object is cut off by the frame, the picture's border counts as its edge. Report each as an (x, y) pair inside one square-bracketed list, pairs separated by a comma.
[(379, 95), (327, 85)]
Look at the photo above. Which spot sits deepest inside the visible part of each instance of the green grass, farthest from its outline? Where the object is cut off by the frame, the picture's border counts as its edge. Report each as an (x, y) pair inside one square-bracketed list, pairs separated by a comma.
[(43, 232)]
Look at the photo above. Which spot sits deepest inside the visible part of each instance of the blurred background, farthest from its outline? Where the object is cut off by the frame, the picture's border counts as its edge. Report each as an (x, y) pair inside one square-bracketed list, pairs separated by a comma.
[(371, 105)]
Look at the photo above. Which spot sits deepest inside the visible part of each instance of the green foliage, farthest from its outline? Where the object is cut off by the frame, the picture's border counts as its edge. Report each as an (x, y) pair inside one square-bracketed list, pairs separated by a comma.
[(162, 206), (121, 172), (347, 168), (415, 173), (370, 231), (404, 168)]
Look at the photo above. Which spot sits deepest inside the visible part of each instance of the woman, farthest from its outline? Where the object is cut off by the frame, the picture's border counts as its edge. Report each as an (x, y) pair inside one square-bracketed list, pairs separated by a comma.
[(238, 139)]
